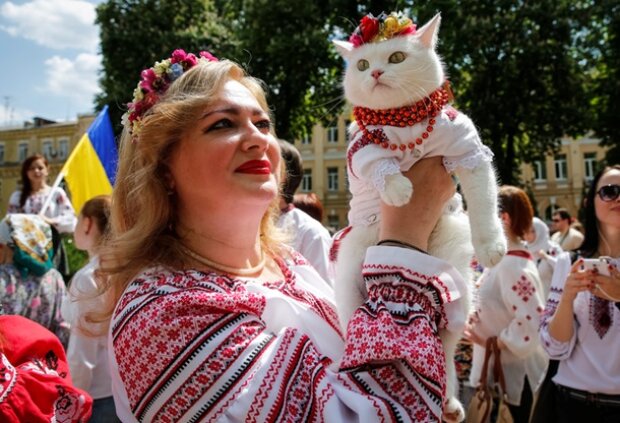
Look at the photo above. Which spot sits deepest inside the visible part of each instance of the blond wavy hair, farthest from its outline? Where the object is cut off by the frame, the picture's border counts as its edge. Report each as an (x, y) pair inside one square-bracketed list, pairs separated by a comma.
[(143, 215)]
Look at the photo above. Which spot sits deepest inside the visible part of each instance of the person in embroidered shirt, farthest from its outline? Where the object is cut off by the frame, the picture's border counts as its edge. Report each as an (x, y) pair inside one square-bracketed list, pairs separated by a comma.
[(214, 319), (569, 238), (309, 237), (34, 193), (36, 385), (580, 324), (87, 353), (544, 251), (508, 306)]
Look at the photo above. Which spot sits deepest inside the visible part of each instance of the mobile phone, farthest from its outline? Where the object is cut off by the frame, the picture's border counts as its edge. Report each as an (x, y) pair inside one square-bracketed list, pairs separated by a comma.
[(601, 264)]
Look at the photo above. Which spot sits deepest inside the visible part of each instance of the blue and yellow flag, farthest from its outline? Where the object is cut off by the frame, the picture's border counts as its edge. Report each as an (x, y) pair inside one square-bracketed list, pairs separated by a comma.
[(90, 170)]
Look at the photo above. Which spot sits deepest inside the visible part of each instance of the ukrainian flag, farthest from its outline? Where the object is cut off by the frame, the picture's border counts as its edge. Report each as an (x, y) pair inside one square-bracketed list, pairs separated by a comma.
[(90, 169)]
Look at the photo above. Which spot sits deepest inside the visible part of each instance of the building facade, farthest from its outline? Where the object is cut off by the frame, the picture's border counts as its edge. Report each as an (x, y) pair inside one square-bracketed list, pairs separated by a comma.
[(559, 181), (53, 140)]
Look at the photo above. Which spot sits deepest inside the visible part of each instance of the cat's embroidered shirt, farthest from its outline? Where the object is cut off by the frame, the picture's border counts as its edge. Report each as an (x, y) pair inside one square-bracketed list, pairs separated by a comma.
[(588, 361), (454, 137), (508, 304), (190, 346)]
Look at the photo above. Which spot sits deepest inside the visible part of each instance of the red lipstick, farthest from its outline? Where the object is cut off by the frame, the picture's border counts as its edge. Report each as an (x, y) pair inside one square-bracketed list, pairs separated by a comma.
[(255, 167)]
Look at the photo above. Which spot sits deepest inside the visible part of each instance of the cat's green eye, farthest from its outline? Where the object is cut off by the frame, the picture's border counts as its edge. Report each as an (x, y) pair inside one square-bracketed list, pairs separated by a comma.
[(363, 65), (397, 57)]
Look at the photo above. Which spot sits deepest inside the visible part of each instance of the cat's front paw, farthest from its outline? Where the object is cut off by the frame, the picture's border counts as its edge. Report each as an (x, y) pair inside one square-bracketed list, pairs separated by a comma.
[(398, 190), (490, 254), (453, 411)]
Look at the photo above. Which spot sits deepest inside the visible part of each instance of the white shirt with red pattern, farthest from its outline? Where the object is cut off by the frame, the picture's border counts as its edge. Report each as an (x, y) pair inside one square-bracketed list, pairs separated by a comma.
[(508, 305), (59, 210), (189, 346)]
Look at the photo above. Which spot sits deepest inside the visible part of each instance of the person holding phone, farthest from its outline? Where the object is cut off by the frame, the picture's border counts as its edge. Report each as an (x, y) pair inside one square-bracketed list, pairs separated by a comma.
[(580, 326)]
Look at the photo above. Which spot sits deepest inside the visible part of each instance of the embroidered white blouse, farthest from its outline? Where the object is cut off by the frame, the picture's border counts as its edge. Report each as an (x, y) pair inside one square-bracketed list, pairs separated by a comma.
[(309, 238), (508, 305), (454, 137), (59, 210), (87, 355), (589, 361), (189, 346)]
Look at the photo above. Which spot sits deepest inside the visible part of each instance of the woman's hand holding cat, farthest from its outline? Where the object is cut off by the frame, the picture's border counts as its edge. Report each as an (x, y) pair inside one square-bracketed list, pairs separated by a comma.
[(413, 222)]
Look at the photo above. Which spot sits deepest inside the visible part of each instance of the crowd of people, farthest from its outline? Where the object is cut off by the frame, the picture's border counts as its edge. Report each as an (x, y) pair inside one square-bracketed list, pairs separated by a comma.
[(208, 291)]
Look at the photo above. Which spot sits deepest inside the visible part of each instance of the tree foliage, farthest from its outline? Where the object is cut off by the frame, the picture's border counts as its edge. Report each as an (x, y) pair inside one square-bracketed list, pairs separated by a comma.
[(604, 40), (286, 44), (528, 73), (137, 33)]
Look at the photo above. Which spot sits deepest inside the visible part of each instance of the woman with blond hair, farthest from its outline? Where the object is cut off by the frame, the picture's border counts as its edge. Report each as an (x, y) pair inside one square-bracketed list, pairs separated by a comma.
[(213, 318)]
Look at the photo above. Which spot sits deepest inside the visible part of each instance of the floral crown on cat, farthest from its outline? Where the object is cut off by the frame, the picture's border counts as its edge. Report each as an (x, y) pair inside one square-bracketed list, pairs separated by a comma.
[(380, 28), (154, 82)]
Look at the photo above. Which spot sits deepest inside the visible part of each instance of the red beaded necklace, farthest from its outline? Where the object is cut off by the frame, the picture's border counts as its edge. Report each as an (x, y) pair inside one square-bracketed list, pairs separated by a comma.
[(429, 107)]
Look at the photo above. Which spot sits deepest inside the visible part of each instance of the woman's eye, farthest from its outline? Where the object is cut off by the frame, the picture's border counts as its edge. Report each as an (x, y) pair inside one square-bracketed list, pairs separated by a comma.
[(263, 124), (397, 57), (362, 65), (220, 124)]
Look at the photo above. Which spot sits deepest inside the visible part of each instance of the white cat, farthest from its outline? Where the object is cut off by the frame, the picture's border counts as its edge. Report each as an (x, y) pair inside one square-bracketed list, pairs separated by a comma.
[(394, 80)]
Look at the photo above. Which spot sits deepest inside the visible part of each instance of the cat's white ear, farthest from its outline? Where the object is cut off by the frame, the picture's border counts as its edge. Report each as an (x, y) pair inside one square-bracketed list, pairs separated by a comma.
[(343, 47), (428, 33)]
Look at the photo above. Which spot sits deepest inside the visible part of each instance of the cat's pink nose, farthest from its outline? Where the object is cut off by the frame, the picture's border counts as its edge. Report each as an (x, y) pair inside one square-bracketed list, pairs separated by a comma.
[(376, 73)]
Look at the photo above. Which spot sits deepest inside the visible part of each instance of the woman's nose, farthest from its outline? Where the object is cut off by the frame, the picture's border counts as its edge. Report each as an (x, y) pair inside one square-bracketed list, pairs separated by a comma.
[(255, 138)]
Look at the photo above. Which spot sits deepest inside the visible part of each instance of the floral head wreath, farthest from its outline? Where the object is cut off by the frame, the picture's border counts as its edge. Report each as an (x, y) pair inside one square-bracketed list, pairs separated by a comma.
[(383, 27), (154, 82)]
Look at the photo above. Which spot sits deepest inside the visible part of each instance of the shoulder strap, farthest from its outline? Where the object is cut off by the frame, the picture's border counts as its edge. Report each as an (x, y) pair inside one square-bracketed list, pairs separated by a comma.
[(498, 371)]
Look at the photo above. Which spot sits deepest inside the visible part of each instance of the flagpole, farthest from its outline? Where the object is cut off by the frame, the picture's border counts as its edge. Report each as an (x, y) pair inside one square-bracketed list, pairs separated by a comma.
[(48, 200)]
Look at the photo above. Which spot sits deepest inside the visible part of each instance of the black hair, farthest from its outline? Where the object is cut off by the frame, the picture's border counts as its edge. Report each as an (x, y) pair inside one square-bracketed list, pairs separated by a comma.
[(589, 247)]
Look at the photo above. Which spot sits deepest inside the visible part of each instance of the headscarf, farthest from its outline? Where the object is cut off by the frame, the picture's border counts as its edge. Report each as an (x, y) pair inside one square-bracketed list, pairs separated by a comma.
[(542, 241), (30, 237)]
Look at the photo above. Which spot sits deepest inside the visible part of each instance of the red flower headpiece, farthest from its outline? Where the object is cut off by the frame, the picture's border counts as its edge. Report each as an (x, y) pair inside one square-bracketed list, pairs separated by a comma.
[(383, 27), (154, 82)]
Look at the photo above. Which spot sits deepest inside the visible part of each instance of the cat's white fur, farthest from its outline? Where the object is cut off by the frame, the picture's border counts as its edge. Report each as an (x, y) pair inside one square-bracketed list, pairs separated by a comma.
[(400, 85)]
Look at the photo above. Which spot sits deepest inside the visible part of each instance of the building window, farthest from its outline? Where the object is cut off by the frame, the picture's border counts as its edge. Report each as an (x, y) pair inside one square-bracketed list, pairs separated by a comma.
[(306, 180), (561, 167), (306, 139), (540, 171), (332, 134), (332, 179), (48, 151), (589, 162), (22, 152), (333, 221), (63, 149), (2, 153)]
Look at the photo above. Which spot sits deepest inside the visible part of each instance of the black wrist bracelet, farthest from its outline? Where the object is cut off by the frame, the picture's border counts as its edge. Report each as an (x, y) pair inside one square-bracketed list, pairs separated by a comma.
[(397, 243)]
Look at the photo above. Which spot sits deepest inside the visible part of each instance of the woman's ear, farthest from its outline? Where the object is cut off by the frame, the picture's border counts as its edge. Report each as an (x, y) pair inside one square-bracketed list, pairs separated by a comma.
[(88, 224)]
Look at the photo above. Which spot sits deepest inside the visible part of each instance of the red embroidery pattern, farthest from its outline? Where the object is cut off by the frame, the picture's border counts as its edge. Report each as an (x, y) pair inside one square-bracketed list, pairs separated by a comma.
[(524, 288), (290, 288), (356, 146), (399, 322), (7, 378), (407, 395)]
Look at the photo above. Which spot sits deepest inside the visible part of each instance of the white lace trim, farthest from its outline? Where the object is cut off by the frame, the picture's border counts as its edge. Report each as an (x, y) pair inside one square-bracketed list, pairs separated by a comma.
[(470, 160), (382, 169)]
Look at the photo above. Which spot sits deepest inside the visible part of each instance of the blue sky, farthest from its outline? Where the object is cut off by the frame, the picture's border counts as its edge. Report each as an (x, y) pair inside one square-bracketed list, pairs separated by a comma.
[(51, 61)]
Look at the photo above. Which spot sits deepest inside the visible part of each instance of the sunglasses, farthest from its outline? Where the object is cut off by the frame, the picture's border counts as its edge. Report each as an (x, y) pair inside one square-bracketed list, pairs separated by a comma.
[(609, 192)]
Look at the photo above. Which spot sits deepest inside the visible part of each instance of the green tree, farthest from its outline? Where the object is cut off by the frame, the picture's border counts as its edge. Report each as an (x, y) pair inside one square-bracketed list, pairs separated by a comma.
[(137, 33), (286, 43), (604, 40), (518, 73)]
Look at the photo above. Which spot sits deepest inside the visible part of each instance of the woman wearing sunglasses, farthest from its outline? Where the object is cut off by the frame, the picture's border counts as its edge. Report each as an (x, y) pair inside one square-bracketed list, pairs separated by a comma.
[(580, 326)]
